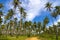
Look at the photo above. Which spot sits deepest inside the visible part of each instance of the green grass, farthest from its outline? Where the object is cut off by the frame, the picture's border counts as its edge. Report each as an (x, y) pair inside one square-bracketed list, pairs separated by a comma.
[(17, 38), (41, 36), (48, 37), (13, 38)]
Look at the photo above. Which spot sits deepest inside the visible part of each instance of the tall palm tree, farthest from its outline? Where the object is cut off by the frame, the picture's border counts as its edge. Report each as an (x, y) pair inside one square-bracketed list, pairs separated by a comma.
[(3, 28), (1, 5), (45, 22), (0, 17), (59, 27), (30, 26), (9, 15), (57, 9), (55, 13), (25, 26), (7, 28), (51, 29), (1, 13), (58, 23), (11, 26), (34, 26), (48, 6), (17, 4), (15, 21), (15, 24), (22, 16), (39, 26)]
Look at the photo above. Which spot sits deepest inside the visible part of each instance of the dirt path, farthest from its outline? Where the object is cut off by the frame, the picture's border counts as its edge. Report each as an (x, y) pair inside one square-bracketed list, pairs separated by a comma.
[(32, 38)]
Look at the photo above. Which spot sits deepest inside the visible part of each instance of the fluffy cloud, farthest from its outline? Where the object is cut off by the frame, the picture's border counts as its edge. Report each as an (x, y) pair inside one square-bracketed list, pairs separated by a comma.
[(56, 3), (34, 7), (58, 20)]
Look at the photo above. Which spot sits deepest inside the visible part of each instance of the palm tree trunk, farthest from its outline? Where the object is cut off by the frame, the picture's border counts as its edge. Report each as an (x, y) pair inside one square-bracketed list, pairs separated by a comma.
[(20, 24), (56, 33), (0, 25), (56, 30)]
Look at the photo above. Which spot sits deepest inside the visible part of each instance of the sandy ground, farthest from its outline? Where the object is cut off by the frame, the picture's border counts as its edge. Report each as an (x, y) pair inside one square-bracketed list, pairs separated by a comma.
[(32, 38)]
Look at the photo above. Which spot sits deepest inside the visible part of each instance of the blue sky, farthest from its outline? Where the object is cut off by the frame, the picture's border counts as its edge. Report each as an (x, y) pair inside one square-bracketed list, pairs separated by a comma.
[(34, 8)]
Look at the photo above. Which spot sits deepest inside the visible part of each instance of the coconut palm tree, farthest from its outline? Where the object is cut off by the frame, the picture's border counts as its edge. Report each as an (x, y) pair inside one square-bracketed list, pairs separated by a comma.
[(48, 6), (21, 18), (57, 9), (51, 29), (59, 24), (16, 3), (34, 26), (3, 29), (18, 28), (1, 13), (9, 15), (30, 26), (39, 26), (22, 12), (11, 23), (15, 25), (15, 21), (0, 23), (59, 27), (1, 5), (45, 22), (0, 17), (25, 26), (55, 13)]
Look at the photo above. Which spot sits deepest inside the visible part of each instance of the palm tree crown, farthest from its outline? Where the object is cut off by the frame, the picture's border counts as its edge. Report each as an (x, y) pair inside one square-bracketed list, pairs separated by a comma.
[(48, 6), (1, 5)]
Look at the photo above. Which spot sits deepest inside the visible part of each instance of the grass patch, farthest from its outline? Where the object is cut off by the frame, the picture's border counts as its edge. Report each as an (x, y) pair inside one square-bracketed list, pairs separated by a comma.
[(12, 38), (48, 37)]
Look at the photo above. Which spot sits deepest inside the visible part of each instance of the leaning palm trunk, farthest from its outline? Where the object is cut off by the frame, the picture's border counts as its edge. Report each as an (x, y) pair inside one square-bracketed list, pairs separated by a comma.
[(55, 30), (56, 33), (6, 25), (0, 30), (20, 25)]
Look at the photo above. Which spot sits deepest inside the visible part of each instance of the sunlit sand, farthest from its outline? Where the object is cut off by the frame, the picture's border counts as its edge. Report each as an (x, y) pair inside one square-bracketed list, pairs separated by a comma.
[(32, 38)]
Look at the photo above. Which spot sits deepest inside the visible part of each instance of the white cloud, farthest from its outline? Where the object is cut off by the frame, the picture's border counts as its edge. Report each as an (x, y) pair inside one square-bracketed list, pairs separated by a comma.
[(34, 7), (58, 19), (56, 3), (55, 23)]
